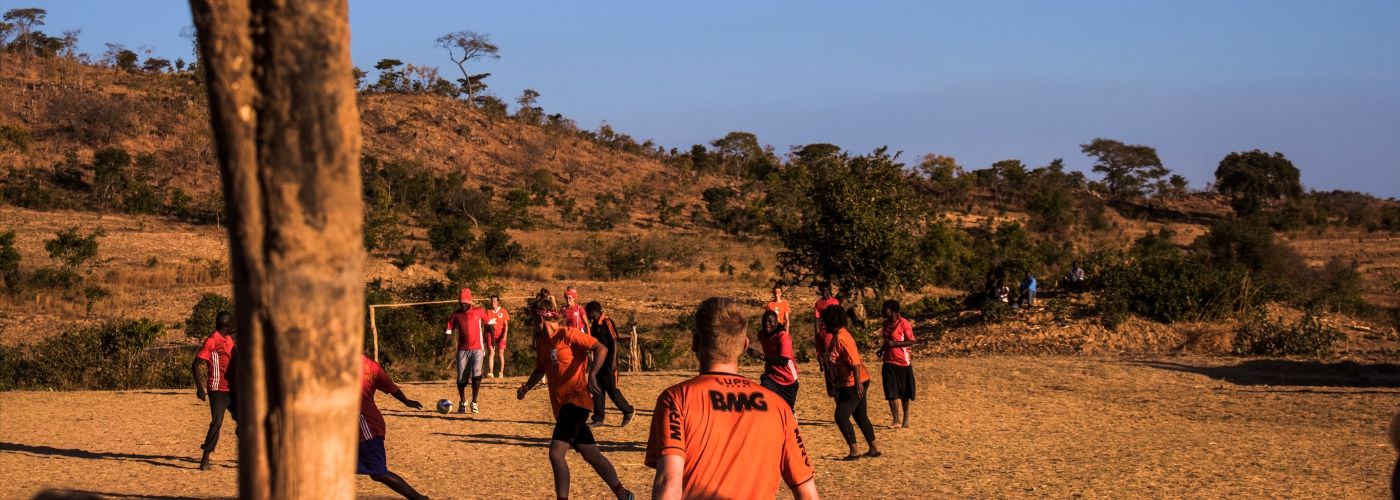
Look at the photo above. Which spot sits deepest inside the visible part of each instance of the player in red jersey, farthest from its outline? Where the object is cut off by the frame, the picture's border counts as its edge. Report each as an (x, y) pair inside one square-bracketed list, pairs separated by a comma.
[(498, 323), (719, 435), (822, 341), (574, 315), (896, 374), (372, 461), (779, 369), (562, 358), (216, 355), (469, 324)]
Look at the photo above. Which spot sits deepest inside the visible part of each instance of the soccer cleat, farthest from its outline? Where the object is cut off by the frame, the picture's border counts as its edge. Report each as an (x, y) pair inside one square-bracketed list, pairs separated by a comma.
[(627, 419), (462, 408), (596, 423), (475, 408)]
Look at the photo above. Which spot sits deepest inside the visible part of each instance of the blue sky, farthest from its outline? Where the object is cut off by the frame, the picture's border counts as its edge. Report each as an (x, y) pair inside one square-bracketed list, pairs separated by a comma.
[(980, 81)]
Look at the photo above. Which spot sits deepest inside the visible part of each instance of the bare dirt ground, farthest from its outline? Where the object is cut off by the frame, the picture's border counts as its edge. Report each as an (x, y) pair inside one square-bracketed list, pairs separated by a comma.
[(983, 427)]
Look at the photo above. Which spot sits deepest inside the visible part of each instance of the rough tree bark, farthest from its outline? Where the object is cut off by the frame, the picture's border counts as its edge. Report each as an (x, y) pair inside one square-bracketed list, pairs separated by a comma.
[(282, 103)]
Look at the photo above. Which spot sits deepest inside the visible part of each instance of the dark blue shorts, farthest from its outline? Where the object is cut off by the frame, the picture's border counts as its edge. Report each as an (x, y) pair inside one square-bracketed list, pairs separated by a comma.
[(372, 459)]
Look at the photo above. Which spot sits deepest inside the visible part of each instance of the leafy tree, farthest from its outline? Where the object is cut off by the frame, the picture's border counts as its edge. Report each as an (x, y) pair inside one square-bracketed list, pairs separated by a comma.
[(391, 78), (201, 323), (126, 60), (156, 65), (853, 225), (1253, 178), (463, 46), (451, 237), (1126, 168), (24, 21), (740, 154), (607, 212), (73, 249), (529, 112)]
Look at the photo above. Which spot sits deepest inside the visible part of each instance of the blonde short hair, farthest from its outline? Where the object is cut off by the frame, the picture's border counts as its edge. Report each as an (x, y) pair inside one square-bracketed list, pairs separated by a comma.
[(721, 330)]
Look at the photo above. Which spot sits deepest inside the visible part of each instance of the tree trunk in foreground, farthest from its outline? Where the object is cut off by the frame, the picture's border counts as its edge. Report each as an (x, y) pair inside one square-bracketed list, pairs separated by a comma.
[(282, 103)]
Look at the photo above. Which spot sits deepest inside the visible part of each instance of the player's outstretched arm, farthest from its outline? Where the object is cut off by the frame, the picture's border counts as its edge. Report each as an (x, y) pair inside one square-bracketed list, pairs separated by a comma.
[(670, 471), (806, 491), (407, 402)]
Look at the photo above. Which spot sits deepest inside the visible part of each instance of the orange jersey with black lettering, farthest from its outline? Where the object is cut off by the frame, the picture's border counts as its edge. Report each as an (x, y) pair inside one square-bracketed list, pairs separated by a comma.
[(737, 438)]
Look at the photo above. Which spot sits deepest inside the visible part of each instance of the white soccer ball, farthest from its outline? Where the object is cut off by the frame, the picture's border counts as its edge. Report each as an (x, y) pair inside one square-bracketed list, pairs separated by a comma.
[(444, 405)]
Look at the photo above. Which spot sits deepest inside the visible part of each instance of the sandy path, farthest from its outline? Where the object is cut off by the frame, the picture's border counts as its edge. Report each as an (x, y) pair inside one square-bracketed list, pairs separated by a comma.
[(998, 427)]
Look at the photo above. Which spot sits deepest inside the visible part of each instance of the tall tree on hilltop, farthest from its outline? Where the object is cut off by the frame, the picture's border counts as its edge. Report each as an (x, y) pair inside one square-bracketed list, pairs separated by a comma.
[(1254, 178), (463, 46), (25, 20), (1126, 168)]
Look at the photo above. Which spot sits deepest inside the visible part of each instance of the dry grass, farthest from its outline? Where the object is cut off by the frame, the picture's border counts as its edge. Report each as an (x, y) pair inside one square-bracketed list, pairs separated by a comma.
[(988, 427)]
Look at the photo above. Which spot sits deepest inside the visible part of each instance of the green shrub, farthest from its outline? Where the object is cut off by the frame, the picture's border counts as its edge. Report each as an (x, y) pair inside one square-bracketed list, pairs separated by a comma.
[(995, 311), (1263, 337), (73, 249), (665, 349), (65, 362), (607, 212), (201, 321), (14, 138)]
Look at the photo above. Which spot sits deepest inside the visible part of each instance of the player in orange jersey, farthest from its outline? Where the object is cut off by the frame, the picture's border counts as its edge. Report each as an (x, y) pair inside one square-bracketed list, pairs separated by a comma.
[(720, 435), (562, 355), (851, 380)]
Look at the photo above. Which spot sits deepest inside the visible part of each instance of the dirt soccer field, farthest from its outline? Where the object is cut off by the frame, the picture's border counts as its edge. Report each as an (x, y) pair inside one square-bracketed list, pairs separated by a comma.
[(983, 427)]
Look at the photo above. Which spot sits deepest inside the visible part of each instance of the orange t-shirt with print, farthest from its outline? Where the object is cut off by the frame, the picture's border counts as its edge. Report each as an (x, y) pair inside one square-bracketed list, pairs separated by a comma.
[(563, 356)]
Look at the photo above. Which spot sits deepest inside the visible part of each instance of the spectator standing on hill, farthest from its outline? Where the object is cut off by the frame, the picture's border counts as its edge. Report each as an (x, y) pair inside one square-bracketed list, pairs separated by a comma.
[(605, 332), (719, 435), (780, 306), (852, 383), (896, 373), (468, 323), (573, 313), (779, 368), (1028, 286), (215, 383), (498, 324), (562, 359), (1003, 291), (372, 460)]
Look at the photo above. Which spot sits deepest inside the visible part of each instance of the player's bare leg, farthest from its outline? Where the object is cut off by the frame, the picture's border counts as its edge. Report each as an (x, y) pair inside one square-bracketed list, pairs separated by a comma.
[(560, 465), (476, 389), (461, 397), (894, 414), (905, 422), (490, 362), (396, 483), (604, 468)]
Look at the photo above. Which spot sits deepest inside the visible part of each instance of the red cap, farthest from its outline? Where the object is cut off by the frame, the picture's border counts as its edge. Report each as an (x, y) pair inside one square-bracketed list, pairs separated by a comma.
[(571, 293), (465, 296)]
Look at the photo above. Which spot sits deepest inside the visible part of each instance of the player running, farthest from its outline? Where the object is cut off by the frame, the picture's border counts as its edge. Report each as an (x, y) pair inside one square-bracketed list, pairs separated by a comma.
[(896, 374), (605, 332), (780, 306), (573, 313), (562, 359), (373, 461), (779, 369), (822, 340), (852, 382), (498, 324), (216, 355), (467, 322), (719, 435)]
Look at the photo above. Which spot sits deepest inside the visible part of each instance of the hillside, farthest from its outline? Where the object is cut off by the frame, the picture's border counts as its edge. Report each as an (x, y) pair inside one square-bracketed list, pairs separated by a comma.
[(71, 110)]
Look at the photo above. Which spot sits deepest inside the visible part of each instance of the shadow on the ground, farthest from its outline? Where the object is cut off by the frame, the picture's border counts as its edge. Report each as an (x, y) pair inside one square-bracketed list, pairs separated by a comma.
[(1282, 372), (160, 460), (98, 495), (543, 442)]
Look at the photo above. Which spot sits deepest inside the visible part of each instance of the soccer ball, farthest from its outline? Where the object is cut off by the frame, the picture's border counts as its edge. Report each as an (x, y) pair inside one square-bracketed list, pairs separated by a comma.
[(444, 405)]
